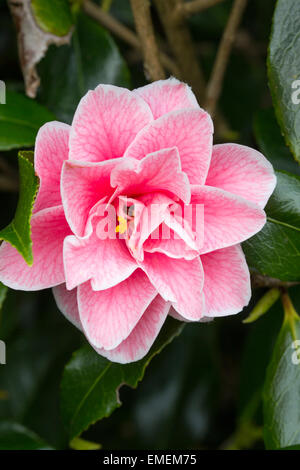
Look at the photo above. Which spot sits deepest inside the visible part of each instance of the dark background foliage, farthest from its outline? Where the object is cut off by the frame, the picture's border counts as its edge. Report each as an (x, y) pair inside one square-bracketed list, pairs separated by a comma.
[(204, 390)]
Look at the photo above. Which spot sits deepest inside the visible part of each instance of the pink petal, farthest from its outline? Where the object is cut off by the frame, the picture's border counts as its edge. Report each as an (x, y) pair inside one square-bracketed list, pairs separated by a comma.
[(183, 227), (106, 121), (189, 130), (227, 288), (177, 280), (153, 210), (51, 149), (228, 219), (173, 246), (49, 228), (174, 314), (168, 95), (157, 171), (140, 340), (66, 301), (106, 262), (243, 171), (83, 184), (158, 220), (109, 316)]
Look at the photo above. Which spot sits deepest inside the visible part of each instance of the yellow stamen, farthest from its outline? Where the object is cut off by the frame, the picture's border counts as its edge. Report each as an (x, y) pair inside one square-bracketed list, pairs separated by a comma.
[(122, 227)]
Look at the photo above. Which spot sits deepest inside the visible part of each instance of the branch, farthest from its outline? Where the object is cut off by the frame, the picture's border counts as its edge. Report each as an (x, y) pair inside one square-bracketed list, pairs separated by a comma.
[(144, 28), (180, 41), (216, 81), (195, 6), (258, 280), (122, 32)]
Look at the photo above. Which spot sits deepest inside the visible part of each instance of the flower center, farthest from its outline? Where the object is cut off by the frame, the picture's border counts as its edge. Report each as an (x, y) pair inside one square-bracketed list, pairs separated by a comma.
[(126, 216)]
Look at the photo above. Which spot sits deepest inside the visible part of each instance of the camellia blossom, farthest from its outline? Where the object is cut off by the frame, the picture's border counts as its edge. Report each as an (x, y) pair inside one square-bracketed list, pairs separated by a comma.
[(131, 151)]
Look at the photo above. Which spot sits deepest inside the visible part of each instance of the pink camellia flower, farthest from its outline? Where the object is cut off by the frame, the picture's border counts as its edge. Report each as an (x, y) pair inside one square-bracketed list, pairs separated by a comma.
[(132, 151)]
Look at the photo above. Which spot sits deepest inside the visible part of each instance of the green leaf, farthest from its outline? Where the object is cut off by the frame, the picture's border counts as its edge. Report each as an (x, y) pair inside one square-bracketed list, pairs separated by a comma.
[(275, 250), (284, 69), (281, 394), (244, 437), (53, 16), (3, 292), (296, 447), (91, 383), (271, 143), (18, 232), (20, 120), (68, 72), (263, 305), (81, 444), (14, 436)]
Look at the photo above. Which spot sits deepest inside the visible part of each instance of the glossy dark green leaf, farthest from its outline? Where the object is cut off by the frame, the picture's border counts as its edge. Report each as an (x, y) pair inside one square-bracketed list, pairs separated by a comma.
[(284, 69), (275, 250), (68, 72), (14, 436), (90, 383), (271, 143), (18, 232), (281, 395), (53, 16), (20, 120)]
